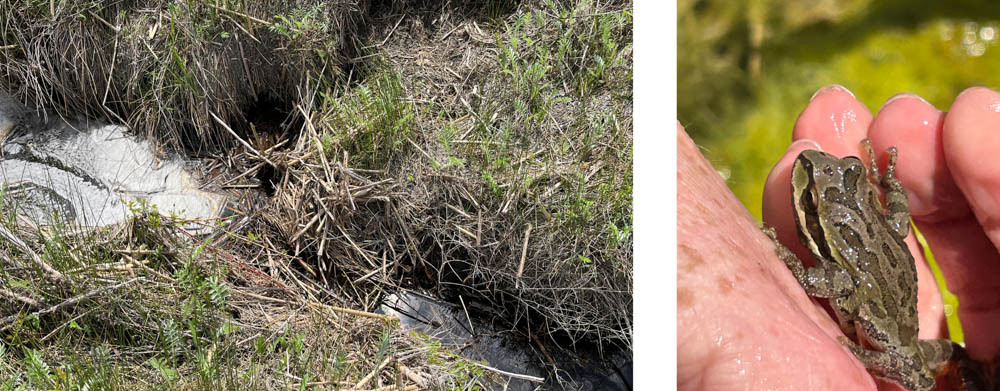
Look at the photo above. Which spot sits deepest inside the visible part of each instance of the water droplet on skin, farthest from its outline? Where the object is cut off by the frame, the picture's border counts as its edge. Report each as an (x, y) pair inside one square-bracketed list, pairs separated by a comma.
[(841, 128), (926, 123), (742, 366), (725, 173)]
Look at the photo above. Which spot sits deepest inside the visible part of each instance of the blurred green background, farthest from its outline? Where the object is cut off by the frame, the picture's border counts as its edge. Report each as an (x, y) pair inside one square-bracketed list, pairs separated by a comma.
[(746, 69)]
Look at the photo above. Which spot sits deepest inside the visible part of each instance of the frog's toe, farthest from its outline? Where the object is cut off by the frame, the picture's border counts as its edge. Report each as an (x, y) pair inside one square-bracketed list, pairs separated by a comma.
[(923, 381)]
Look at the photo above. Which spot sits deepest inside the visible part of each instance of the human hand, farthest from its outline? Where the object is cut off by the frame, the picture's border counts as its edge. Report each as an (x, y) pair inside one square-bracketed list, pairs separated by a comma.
[(743, 320), (944, 164)]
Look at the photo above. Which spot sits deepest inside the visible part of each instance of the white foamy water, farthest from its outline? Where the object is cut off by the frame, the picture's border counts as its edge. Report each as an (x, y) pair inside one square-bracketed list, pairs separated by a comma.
[(90, 175)]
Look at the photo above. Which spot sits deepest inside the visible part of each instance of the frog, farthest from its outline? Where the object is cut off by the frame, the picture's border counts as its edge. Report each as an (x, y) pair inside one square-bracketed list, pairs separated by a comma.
[(863, 266)]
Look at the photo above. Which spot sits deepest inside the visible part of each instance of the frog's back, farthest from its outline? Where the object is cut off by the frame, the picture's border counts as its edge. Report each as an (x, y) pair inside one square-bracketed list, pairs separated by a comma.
[(881, 265)]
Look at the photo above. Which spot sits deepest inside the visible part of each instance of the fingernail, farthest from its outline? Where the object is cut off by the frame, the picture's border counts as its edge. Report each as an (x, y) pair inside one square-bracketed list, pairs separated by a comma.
[(973, 89), (831, 87), (902, 95), (806, 144)]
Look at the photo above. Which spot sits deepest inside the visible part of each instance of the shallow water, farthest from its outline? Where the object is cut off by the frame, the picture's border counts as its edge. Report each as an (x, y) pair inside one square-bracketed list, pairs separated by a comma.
[(507, 350), (90, 173)]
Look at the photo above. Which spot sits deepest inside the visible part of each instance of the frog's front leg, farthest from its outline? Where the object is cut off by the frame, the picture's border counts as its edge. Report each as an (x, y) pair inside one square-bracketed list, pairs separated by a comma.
[(825, 281), (843, 309), (891, 366), (897, 211)]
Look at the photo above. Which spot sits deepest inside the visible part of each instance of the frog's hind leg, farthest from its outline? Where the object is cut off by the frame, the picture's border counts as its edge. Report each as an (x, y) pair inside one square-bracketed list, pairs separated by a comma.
[(936, 352), (824, 282), (890, 366), (893, 362), (897, 212)]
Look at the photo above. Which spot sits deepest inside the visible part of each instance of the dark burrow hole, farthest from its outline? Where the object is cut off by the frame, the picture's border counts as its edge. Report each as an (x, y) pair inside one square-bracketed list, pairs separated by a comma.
[(481, 10), (269, 177), (270, 121)]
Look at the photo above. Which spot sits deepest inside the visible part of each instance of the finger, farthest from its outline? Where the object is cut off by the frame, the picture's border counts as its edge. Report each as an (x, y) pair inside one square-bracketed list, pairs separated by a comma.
[(778, 212), (836, 120), (970, 142), (776, 208), (971, 146), (833, 121), (913, 126), (742, 318)]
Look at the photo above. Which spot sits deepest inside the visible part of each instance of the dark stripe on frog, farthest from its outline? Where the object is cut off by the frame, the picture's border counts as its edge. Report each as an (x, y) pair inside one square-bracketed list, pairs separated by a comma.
[(862, 254), (893, 262), (813, 225), (850, 180), (879, 263), (834, 196), (855, 182), (806, 208), (903, 292)]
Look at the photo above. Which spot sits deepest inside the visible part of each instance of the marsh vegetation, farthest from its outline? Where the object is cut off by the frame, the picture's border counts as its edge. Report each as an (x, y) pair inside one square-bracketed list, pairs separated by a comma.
[(479, 151)]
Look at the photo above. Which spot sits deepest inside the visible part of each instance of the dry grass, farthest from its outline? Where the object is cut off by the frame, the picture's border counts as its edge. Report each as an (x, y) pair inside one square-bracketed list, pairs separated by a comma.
[(164, 67), (480, 149), (145, 305), (522, 168)]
